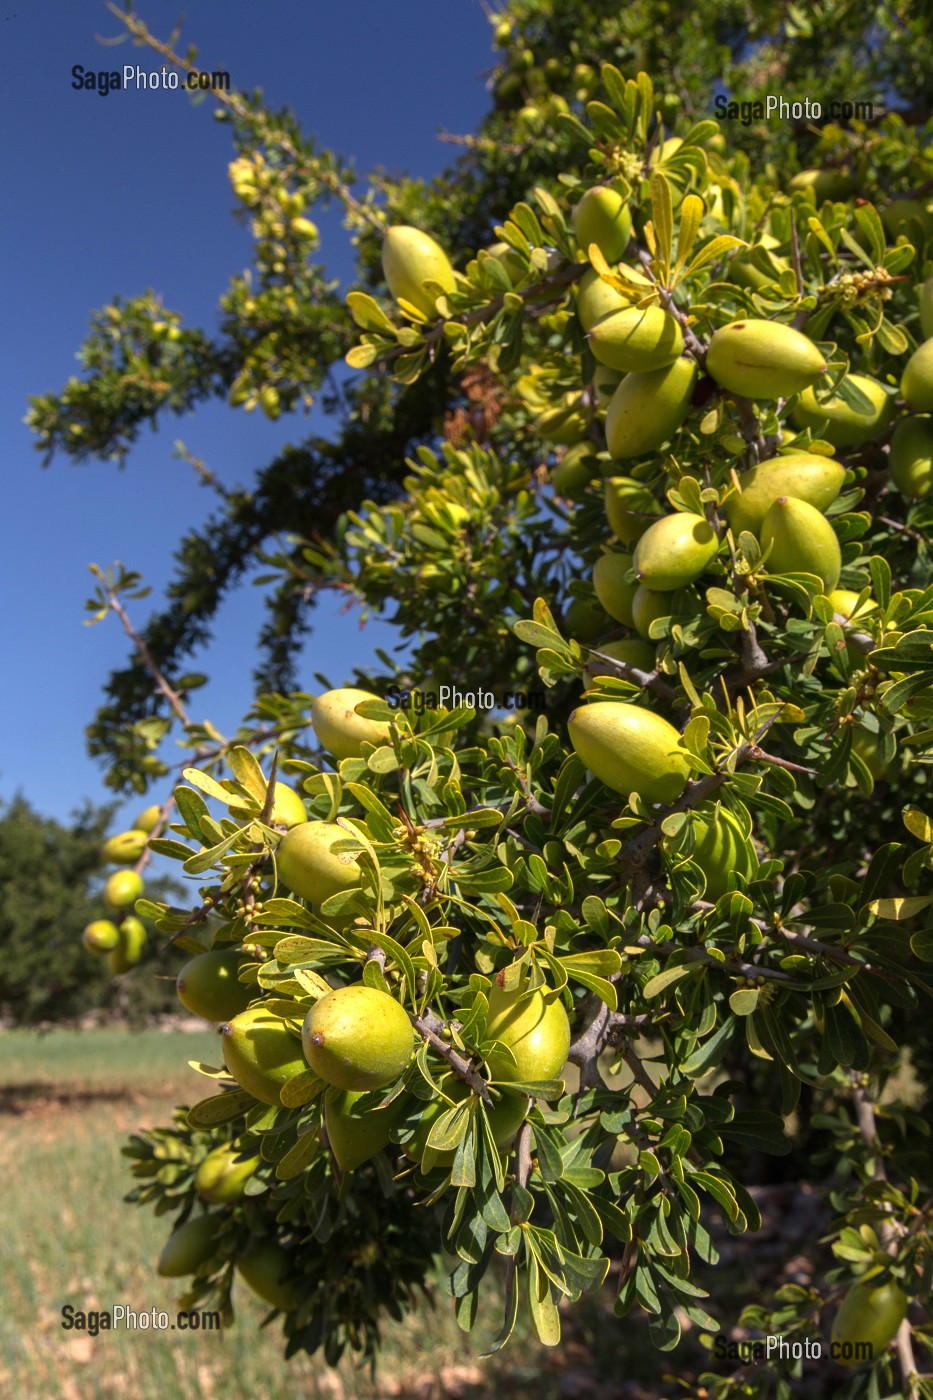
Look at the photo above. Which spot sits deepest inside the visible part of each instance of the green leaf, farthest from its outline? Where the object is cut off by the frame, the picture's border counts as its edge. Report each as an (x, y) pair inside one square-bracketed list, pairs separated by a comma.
[(900, 908), (368, 315), (220, 1108), (248, 773), (660, 983)]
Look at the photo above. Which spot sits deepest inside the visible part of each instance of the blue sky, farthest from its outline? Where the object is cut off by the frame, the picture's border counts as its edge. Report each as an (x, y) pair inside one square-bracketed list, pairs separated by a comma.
[(111, 195)]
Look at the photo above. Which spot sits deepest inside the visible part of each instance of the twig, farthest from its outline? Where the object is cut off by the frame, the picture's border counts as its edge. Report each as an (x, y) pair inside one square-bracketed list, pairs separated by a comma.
[(429, 1026)]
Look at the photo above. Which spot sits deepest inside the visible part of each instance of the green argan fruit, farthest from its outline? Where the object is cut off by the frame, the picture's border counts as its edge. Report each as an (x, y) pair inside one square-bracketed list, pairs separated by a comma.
[(124, 849), (801, 541), (825, 184), (188, 1247), (917, 379), (534, 1027), (720, 846), (506, 1116), (595, 299), (674, 551), (900, 214), (357, 1037), (265, 1267), (868, 745), (869, 1314), (630, 651), (100, 936), (308, 865), (575, 470), (148, 819), (605, 383), (611, 589), (845, 603), (287, 808), (222, 1176), (341, 731), (509, 259), (630, 749), (925, 294), (123, 888), (207, 985), (261, 1053), (409, 259), (816, 480), (584, 621), (840, 423), (648, 408), (911, 457), (602, 217), (647, 607), (637, 339), (356, 1128), (763, 359), (565, 426), (129, 949), (745, 271), (630, 508)]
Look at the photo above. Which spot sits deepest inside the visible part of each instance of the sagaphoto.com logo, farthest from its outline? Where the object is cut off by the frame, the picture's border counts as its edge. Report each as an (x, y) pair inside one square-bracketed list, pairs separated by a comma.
[(775, 108), (132, 78)]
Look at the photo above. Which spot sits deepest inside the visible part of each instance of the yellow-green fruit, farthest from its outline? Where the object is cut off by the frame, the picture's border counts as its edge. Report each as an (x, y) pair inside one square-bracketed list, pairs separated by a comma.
[(899, 216), (123, 887), (265, 1268), (605, 382), (602, 217), (595, 299), (825, 184), (356, 1128), (816, 480), (801, 541), (188, 1247), (630, 651), (925, 295), (535, 1029), (745, 271), (630, 749), (309, 866), (506, 1116), (841, 423), (409, 259), (869, 746), (564, 426), (647, 607), (148, 819), (911, 457), (129, 949), (647, 408), (869, 1314), (611, 589), (357, 1038), (261, 1053), (917, 379), (630, 508), (583, 621), (575, 470), (341, 731), (674, 551), (634, 339), (100, 936), (720, 846), (124, 849), (207, 985), (845, 603), (509, 259), (287, 808), (763, 359), (223, 1175)]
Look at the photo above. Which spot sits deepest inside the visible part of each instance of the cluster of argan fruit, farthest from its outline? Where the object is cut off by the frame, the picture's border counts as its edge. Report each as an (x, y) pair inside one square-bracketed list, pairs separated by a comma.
[(122, 942)]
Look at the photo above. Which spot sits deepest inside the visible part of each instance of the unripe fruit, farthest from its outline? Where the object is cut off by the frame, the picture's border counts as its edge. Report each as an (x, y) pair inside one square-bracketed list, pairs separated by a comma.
[(602, 217), (409, 259), (207, 985), (647, 607), (357, 1037), (537, 1031), (188, 1247), (261, 1053), (123, 888), (596, 299), (575, 470), (840, 423), (911, 457), (869, 1313), (605, 382), (674, 551), (129, 949), (222, 1176), (868, 745), (564, 426), (648, 408), (630, 749), (917, 379), (634, 339), (100, 936), (816, 480), (148, 819), (801, 541), (585, 621), (341, 731), (265, 1267), (506, 1116), (287, 808), (925, 294), (631, 651), (509, 259), (613, 592), (720, 846), (308, 865), (124, 849), (901, 214), (746, 273), (357, 1131), (763, 359), (825, 184), (630, 508), (845, 601)]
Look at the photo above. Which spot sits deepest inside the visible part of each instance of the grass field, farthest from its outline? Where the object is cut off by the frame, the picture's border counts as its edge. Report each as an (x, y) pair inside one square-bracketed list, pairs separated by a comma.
[(68, 1099)]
